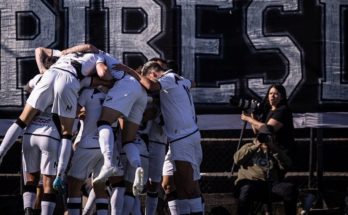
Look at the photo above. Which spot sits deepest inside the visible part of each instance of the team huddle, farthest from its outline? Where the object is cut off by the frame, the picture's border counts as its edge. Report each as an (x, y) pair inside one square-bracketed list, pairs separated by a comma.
[(137, 134)]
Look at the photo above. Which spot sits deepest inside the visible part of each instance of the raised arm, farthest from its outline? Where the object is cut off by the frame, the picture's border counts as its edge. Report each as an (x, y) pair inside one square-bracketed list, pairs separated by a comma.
[(81, 48), (42, 55)]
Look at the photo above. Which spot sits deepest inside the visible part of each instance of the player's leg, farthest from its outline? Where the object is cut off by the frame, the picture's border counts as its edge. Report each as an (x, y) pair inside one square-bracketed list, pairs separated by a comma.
[(16, 129), (117, 197), (49, 156), (168, 185), (74, 199), (156, 160), (106, 142), (187, 155), (48, 202)]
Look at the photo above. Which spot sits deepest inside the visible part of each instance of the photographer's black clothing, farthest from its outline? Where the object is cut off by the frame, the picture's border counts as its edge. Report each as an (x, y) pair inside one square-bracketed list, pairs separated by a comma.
[(285, 135), (249, 191), (260, 177)]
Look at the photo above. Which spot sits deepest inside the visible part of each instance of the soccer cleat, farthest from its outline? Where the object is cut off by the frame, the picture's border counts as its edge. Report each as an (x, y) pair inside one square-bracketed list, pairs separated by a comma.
[(138, 184), (105, 173)]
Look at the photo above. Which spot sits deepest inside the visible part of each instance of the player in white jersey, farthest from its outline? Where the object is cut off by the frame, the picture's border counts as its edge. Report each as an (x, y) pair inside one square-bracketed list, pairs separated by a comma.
[(87, 158), (125, 102), (40, 146), (58, 87), (130, 200), (157, 143), (181, 128)]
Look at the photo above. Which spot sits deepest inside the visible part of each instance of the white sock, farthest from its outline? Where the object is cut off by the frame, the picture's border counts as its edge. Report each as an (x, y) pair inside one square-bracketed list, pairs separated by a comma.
[(116, 200), (106, 142), (29, 199), (151, 203), (128, 204), (48, 203), (64, 155), (90, 203), (74, 205), (133, 154), (136, 207), (196, 205), (173, 207), (184, 206), (10, 138), (102, 206)]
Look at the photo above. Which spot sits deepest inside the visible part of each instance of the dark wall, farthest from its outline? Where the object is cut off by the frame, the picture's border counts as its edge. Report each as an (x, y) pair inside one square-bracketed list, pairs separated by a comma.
[(231, 48)]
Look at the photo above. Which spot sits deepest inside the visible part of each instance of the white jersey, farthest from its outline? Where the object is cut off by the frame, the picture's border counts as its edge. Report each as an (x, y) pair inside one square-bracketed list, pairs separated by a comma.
[(110, 62), (87, 63), (177, 106), (92, 100)]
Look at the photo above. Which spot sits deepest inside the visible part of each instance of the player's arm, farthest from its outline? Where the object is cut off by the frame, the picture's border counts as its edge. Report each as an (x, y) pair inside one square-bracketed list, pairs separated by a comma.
[(103, 72), (146, 82), (88, 48), (41, 55)]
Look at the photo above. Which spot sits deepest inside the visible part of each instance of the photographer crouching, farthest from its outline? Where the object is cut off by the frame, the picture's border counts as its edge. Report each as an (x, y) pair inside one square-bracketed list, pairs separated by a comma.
[(261, 167)]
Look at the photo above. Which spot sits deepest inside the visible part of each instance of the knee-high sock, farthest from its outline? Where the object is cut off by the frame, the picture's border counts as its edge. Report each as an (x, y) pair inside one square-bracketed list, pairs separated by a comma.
[(29, 196), (64, 156), (48, 203), (13, 132), (172, 200), (90, 203), (151, 203), (133, 154), (74, 205), (102, 206), (106, 142), (116, 201)]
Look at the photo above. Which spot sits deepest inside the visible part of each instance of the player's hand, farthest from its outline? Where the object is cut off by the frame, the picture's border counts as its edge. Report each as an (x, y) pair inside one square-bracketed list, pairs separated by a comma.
[(58, 184)]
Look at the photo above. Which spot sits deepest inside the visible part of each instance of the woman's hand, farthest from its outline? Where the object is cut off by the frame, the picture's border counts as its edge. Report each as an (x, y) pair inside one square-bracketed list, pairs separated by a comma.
[(245, 117)]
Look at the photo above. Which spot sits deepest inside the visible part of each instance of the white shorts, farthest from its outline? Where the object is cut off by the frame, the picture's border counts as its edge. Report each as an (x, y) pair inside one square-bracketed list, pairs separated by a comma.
[(130, 170), (188, 149), (59, 88), (157, 152), (84, 162), (90, 161), (168, 165), (40, 153), (128, 97)]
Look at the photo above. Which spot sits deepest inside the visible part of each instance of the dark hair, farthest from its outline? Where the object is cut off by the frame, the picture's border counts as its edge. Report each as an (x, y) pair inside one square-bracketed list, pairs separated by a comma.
[(281, 89), (151, 65), (49, 61)]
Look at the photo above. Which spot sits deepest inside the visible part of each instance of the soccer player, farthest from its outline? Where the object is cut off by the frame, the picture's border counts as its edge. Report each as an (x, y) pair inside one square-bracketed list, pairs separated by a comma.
[(40, 146), (181, 128), (125, 102), (88, 158)]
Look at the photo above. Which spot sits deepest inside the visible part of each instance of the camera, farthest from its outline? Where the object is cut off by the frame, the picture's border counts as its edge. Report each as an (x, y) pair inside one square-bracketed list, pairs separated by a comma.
[(248, 105)]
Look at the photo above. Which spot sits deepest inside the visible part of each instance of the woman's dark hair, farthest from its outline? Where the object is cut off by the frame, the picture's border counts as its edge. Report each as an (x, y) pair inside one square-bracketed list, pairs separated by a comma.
[(281, 89)]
